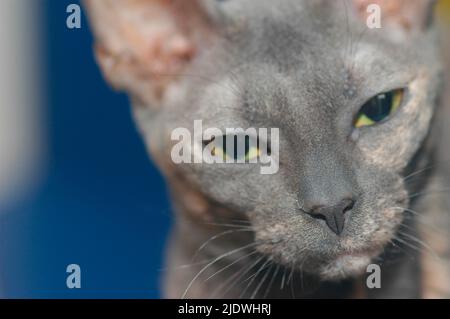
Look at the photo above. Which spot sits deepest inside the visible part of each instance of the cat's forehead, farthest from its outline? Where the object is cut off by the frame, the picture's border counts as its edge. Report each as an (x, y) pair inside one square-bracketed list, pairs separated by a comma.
[(321, 49), (296, 32), (303, 61), (279, 17)]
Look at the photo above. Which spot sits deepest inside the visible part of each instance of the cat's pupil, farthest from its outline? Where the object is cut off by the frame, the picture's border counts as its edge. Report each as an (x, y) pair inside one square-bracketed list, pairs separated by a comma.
[(235, 154), (378, 108)]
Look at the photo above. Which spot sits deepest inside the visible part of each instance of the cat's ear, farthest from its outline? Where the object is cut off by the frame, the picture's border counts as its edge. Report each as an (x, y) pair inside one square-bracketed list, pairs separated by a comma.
[(141, 45), (404, 15)]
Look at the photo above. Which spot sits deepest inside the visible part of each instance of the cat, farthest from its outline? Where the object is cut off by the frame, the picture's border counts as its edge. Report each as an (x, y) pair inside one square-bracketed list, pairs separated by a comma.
[(360, 177)]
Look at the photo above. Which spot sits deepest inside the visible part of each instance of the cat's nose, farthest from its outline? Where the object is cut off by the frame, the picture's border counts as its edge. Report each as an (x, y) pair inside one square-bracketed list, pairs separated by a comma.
[(334, 216)]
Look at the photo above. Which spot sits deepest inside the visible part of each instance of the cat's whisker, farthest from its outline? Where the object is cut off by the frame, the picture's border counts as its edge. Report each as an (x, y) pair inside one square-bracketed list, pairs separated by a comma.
[(416, 173), (233, 221), (425, 169), (430, 192), (239, 274), (413, 238), (301, 272), (421, 243), (426, 224), (242, 221), (408, 244), (292, 288), (266, 275), (419, 218), (228, 225), (253, 277), (213, 262), (253, 266), (291, 274), (222, 234), (402, 249), (226, 282), (272, 280), (406, 210), (283, 279), (231, 264), (186, 266), (412, 229), (255, 274)]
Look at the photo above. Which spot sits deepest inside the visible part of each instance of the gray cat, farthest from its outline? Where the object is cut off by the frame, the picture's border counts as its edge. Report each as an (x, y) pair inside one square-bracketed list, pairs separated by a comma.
[(360, 177)]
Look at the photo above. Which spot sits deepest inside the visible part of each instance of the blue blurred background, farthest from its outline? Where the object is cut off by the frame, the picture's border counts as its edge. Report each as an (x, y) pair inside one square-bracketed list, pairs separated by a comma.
[(93, 197), (101, 203)]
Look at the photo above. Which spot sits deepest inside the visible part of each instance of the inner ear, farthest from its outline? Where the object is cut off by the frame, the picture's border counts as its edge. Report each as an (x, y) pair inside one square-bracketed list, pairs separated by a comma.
[(407, 15), (142, 45)]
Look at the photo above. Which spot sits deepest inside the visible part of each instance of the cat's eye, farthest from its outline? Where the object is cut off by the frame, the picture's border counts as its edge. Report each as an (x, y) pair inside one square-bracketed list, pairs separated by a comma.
[(379, 108), (248, 151)]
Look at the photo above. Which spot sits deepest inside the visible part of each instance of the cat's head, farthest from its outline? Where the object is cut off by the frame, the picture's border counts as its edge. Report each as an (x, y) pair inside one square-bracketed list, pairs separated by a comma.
[(353, 106)]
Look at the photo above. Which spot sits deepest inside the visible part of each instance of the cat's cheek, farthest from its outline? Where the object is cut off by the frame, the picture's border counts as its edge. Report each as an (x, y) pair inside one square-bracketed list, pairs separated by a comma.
[(394, 150), (385, 233)]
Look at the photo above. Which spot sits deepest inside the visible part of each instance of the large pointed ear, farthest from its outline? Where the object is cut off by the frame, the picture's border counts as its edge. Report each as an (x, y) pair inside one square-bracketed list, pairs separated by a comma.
[(141, 45), (404, 15)]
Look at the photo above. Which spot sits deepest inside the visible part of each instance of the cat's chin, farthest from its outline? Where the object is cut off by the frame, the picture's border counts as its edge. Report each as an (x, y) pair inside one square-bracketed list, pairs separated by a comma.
[(346, 266)]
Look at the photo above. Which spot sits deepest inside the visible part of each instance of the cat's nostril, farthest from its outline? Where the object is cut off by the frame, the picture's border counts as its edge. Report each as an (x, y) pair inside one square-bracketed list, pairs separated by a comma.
[(347, 205), (334, 216)]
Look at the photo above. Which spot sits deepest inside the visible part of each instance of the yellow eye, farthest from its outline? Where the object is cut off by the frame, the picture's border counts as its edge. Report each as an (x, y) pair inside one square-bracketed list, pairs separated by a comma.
[(250, 152), (220, 152), (379, 108)]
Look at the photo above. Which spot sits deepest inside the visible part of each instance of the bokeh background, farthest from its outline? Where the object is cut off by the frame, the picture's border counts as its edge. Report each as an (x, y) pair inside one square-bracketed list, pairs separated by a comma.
[(76, 185), (96, 199)]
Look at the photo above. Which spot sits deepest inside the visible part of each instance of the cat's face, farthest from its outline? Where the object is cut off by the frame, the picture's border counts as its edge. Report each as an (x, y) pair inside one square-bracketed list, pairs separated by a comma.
[(313, 70)]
